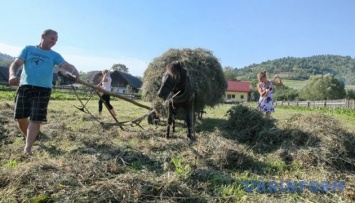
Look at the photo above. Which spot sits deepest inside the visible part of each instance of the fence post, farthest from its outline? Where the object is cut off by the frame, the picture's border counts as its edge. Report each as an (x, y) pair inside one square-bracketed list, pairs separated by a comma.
[(297, 103), (325, 104), (308, 103)]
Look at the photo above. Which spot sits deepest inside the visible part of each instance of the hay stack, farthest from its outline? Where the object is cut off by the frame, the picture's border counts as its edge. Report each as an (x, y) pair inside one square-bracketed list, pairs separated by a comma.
[(246, 123), (206, 75), (313, 139)]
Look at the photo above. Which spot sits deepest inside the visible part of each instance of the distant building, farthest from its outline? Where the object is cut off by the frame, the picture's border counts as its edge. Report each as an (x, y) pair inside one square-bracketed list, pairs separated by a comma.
[(237, 91), (120, 81)]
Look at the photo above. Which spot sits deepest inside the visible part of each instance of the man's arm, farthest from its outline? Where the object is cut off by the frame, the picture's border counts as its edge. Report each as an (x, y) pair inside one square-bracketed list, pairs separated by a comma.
[(71, 69), (13, 79)]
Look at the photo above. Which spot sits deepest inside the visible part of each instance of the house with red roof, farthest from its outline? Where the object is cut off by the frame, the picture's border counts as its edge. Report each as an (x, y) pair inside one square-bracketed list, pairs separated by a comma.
[(237, 91)]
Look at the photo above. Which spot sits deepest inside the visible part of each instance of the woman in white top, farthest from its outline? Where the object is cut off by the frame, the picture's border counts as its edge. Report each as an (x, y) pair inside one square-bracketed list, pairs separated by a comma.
[(265, 88), (106, 85)]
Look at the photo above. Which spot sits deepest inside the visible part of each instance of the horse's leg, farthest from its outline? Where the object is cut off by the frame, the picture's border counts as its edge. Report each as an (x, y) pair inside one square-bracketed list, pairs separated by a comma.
[(170, 121), (150, 119), (173, 124), (189, 122), (190, 119), (173, 115), (167, 131)]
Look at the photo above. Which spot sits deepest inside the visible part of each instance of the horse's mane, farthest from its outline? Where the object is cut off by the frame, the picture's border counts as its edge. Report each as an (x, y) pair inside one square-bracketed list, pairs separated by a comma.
[(174, 68), (178, 73)]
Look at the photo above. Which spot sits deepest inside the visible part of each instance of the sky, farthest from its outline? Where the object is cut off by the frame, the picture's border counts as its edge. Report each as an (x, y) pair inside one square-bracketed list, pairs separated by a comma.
[(95, 34)]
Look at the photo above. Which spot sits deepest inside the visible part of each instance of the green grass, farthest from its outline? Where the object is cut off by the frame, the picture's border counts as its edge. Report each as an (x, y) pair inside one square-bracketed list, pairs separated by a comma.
[(350, 87), (345, 116), (55, 95), (295, 84), (299, 84)]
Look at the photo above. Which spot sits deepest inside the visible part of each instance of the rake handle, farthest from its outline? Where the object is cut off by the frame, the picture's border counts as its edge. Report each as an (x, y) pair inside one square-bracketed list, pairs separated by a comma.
[(71, 78)]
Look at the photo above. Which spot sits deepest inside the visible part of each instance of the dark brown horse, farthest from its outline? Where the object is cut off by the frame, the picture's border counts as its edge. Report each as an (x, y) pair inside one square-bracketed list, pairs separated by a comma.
[(176, 80)]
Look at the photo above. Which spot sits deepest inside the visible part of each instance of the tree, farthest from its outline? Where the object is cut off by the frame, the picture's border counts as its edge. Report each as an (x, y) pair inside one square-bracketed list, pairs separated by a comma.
[(342, 67), (119, 67), (323, 87), (5, 63), (285, 93), (83, 76), (205, 72), (254, 83), (350, 94), (229, 73)]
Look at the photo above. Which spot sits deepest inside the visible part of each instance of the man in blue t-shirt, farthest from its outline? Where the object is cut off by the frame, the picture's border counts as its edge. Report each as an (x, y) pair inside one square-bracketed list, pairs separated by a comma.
[(35, 84)]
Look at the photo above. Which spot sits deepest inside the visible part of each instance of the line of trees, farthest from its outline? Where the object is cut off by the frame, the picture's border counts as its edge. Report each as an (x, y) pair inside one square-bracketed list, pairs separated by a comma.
[(6, 60), (318, 87)]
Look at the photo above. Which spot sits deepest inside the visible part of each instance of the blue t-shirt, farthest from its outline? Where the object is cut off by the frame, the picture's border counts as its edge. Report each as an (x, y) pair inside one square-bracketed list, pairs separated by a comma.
[(38, 66)]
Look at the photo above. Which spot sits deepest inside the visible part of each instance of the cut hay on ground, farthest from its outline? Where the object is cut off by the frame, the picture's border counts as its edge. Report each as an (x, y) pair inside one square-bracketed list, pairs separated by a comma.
[(75, 160), (316, 139)]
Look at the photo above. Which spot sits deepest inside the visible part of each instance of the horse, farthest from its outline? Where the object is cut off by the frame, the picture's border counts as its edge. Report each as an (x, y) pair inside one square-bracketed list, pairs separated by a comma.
[(177, 81)]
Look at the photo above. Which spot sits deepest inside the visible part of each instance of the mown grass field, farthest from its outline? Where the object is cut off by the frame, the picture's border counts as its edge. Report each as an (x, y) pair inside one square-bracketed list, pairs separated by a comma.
[(295, 84), (350, 87), (77, 160), (299, 84)]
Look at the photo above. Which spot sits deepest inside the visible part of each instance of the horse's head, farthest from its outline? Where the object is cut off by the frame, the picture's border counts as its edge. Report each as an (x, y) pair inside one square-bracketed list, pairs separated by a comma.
[(170, 79), (167, 85)]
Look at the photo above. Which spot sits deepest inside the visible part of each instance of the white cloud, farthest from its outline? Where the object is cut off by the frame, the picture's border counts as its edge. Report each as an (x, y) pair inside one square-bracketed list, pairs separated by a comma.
[(10, 50), (85, 61), (89, 63)]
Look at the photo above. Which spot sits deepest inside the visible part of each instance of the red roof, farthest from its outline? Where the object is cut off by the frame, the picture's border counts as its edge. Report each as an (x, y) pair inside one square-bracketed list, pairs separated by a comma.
[(235, 86)]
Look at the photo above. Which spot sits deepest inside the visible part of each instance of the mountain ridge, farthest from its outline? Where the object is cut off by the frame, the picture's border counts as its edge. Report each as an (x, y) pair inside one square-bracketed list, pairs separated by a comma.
[(301, 68)]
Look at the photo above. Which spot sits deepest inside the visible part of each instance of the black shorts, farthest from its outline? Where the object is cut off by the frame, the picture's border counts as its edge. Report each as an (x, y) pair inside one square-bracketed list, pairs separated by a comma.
[(32, 101)]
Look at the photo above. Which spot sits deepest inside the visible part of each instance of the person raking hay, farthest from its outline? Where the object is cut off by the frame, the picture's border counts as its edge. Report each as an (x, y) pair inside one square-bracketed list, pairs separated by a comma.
[(35, 84)]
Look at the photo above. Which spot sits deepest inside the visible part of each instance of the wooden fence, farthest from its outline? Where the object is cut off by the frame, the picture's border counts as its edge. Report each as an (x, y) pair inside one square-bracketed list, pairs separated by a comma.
[(341, 103)]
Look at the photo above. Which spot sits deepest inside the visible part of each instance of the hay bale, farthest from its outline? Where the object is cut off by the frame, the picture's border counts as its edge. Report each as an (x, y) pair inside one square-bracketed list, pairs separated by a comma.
[(204, 70)]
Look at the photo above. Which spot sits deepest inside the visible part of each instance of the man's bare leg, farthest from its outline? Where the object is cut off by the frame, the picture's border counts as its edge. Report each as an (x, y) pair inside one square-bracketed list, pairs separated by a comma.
[(23, 125), (32, 132)]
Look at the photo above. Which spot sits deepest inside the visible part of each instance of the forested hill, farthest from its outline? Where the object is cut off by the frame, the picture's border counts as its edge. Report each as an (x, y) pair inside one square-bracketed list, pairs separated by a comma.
[(342, 67), (6, 60)]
